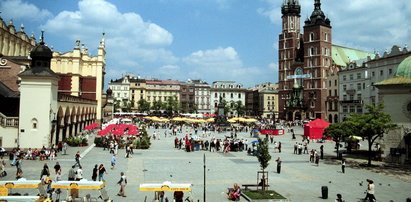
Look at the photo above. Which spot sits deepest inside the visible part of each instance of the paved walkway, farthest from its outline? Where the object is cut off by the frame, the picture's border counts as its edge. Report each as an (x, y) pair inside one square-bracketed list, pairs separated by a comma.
[(298, 181)]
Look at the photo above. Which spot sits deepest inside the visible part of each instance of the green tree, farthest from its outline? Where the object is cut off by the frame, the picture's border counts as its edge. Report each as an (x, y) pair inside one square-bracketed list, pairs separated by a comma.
[(172, 104), (126, 106), (227, 107), (143, 105), (371, 125), (239, 108), (157, 105), (117, 105), (338, 131), (263, 156)]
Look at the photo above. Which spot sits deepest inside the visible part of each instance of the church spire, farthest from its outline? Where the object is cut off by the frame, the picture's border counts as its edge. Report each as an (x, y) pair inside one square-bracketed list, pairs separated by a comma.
[(291, 7), (317, 16)]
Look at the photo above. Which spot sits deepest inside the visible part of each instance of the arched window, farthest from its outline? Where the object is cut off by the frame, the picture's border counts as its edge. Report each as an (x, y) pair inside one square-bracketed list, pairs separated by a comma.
[(34, 123), (312, 51), (326, 36), (311, 36)]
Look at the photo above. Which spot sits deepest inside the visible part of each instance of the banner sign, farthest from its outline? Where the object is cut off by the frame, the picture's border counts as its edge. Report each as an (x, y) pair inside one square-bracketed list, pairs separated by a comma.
[(272, 132)]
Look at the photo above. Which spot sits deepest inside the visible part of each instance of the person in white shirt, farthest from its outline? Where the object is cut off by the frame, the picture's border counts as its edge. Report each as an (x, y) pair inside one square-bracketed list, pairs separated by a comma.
[(79, 174)]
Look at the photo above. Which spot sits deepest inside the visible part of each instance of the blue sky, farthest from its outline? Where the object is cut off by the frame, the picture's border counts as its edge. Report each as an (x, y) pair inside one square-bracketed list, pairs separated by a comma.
[(201, 39)]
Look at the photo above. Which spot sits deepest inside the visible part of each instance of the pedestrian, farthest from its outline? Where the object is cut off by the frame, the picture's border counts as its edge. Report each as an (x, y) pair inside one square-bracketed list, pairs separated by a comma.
[(278, 165), (65, 148), (95, 171), (279, 147), (343, 165), (57, 167), (79, 173), (312, 156), (339, 198), (122, 182), (77, 159), (295, 148), (305, 148), (322, 151), (317, 159), (370, 191), (71, 174), (19, 173), (101, 172), (113, 161), (45, 172), (58, 176)]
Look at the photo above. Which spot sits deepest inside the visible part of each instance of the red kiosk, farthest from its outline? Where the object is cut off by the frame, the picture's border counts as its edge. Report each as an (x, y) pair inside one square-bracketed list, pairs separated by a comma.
[(315, 129)]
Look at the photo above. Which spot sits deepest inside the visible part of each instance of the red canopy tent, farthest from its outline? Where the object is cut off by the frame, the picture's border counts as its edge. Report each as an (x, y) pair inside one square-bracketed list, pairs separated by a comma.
[(315, 129)]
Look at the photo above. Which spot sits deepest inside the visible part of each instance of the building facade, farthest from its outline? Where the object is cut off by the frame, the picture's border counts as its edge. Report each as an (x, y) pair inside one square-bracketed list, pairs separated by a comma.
[(396, 96), (81, 74), (230, 91), (161, 90), (303, 61), (13, 42), (358, 78), (202, 96)]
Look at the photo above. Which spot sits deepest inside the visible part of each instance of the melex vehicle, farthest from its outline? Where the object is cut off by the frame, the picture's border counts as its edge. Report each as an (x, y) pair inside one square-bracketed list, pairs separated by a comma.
[(91, 190), (167, 186), (21, 190)]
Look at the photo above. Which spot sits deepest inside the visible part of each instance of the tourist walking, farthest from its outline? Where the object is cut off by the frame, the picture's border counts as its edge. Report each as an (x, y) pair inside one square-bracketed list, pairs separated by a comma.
[(45, 172), (339, 198), (370, 191), (122, 182), (317, 159), (279, 147), (95, 171), (77, 159), (57, 167), (113, 161), (79, 173), (278, 165), (65, 148), (295, 148), (101, 172), (71, 174), (322, 151), (343, 165)]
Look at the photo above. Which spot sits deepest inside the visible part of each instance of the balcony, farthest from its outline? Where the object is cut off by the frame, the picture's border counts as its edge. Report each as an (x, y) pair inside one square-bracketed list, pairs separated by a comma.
[(350, 101), (9, 121)]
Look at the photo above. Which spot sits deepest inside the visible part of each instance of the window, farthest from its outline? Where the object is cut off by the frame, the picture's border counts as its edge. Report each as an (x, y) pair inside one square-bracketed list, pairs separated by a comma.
[(34, 123), (215, 95), (351, 97), (372, 73), (344, 97), (363, 85), (223, 95), (359, 109), (239, 95), (352, 109), (389, 71), (311, 36), (312, 52), (381, 72), (329, 93), (359, 96), (351, 86), (326, 36), (335, 82), (335, 92), (329, 84), (351, 76), (344, 87), (330, 106), (358, 86), (232, 95), (345, 109), (141, 91), (344, 77), (358, 75)]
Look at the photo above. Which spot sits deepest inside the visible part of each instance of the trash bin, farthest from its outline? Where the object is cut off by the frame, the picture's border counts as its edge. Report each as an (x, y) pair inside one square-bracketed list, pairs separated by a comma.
[(324, 192)]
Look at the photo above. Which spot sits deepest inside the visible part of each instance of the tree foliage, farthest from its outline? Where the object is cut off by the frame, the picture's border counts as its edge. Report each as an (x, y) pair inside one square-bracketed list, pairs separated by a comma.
[(143, 105), (238, 107), (338, 132), (157, 105), (263, 156), (172, 104)]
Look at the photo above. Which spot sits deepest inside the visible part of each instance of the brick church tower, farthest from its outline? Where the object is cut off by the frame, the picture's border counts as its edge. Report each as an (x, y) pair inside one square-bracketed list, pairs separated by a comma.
[(303, 62)]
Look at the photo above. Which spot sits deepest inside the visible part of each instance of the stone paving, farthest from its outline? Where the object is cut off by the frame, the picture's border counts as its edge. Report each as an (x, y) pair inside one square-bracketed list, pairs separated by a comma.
[(299, 180)]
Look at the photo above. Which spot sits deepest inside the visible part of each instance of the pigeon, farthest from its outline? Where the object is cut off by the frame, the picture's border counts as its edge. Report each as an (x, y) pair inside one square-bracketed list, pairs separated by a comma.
[(361, 183), (389, 184), (171, 175), (145, 170), (329, 182)]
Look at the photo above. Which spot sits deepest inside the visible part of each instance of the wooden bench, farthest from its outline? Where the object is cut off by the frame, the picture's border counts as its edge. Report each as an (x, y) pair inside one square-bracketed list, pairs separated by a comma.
[(253, 185)]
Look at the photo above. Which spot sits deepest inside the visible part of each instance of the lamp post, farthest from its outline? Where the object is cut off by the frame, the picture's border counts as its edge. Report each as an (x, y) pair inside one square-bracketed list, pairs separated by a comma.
[(204, 179)]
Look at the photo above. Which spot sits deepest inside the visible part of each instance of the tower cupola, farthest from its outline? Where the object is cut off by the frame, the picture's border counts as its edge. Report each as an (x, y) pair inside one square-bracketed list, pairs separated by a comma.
[(317, 16), (291, 7)]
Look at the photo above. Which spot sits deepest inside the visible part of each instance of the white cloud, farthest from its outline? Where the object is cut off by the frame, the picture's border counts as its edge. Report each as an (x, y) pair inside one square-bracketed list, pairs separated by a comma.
[(224, 64), (364, 24), (18, 10), (130, 40)]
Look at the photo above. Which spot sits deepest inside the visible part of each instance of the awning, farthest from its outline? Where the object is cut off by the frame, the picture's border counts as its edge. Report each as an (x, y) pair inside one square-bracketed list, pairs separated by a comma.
[(166, 186), (78, 185)]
